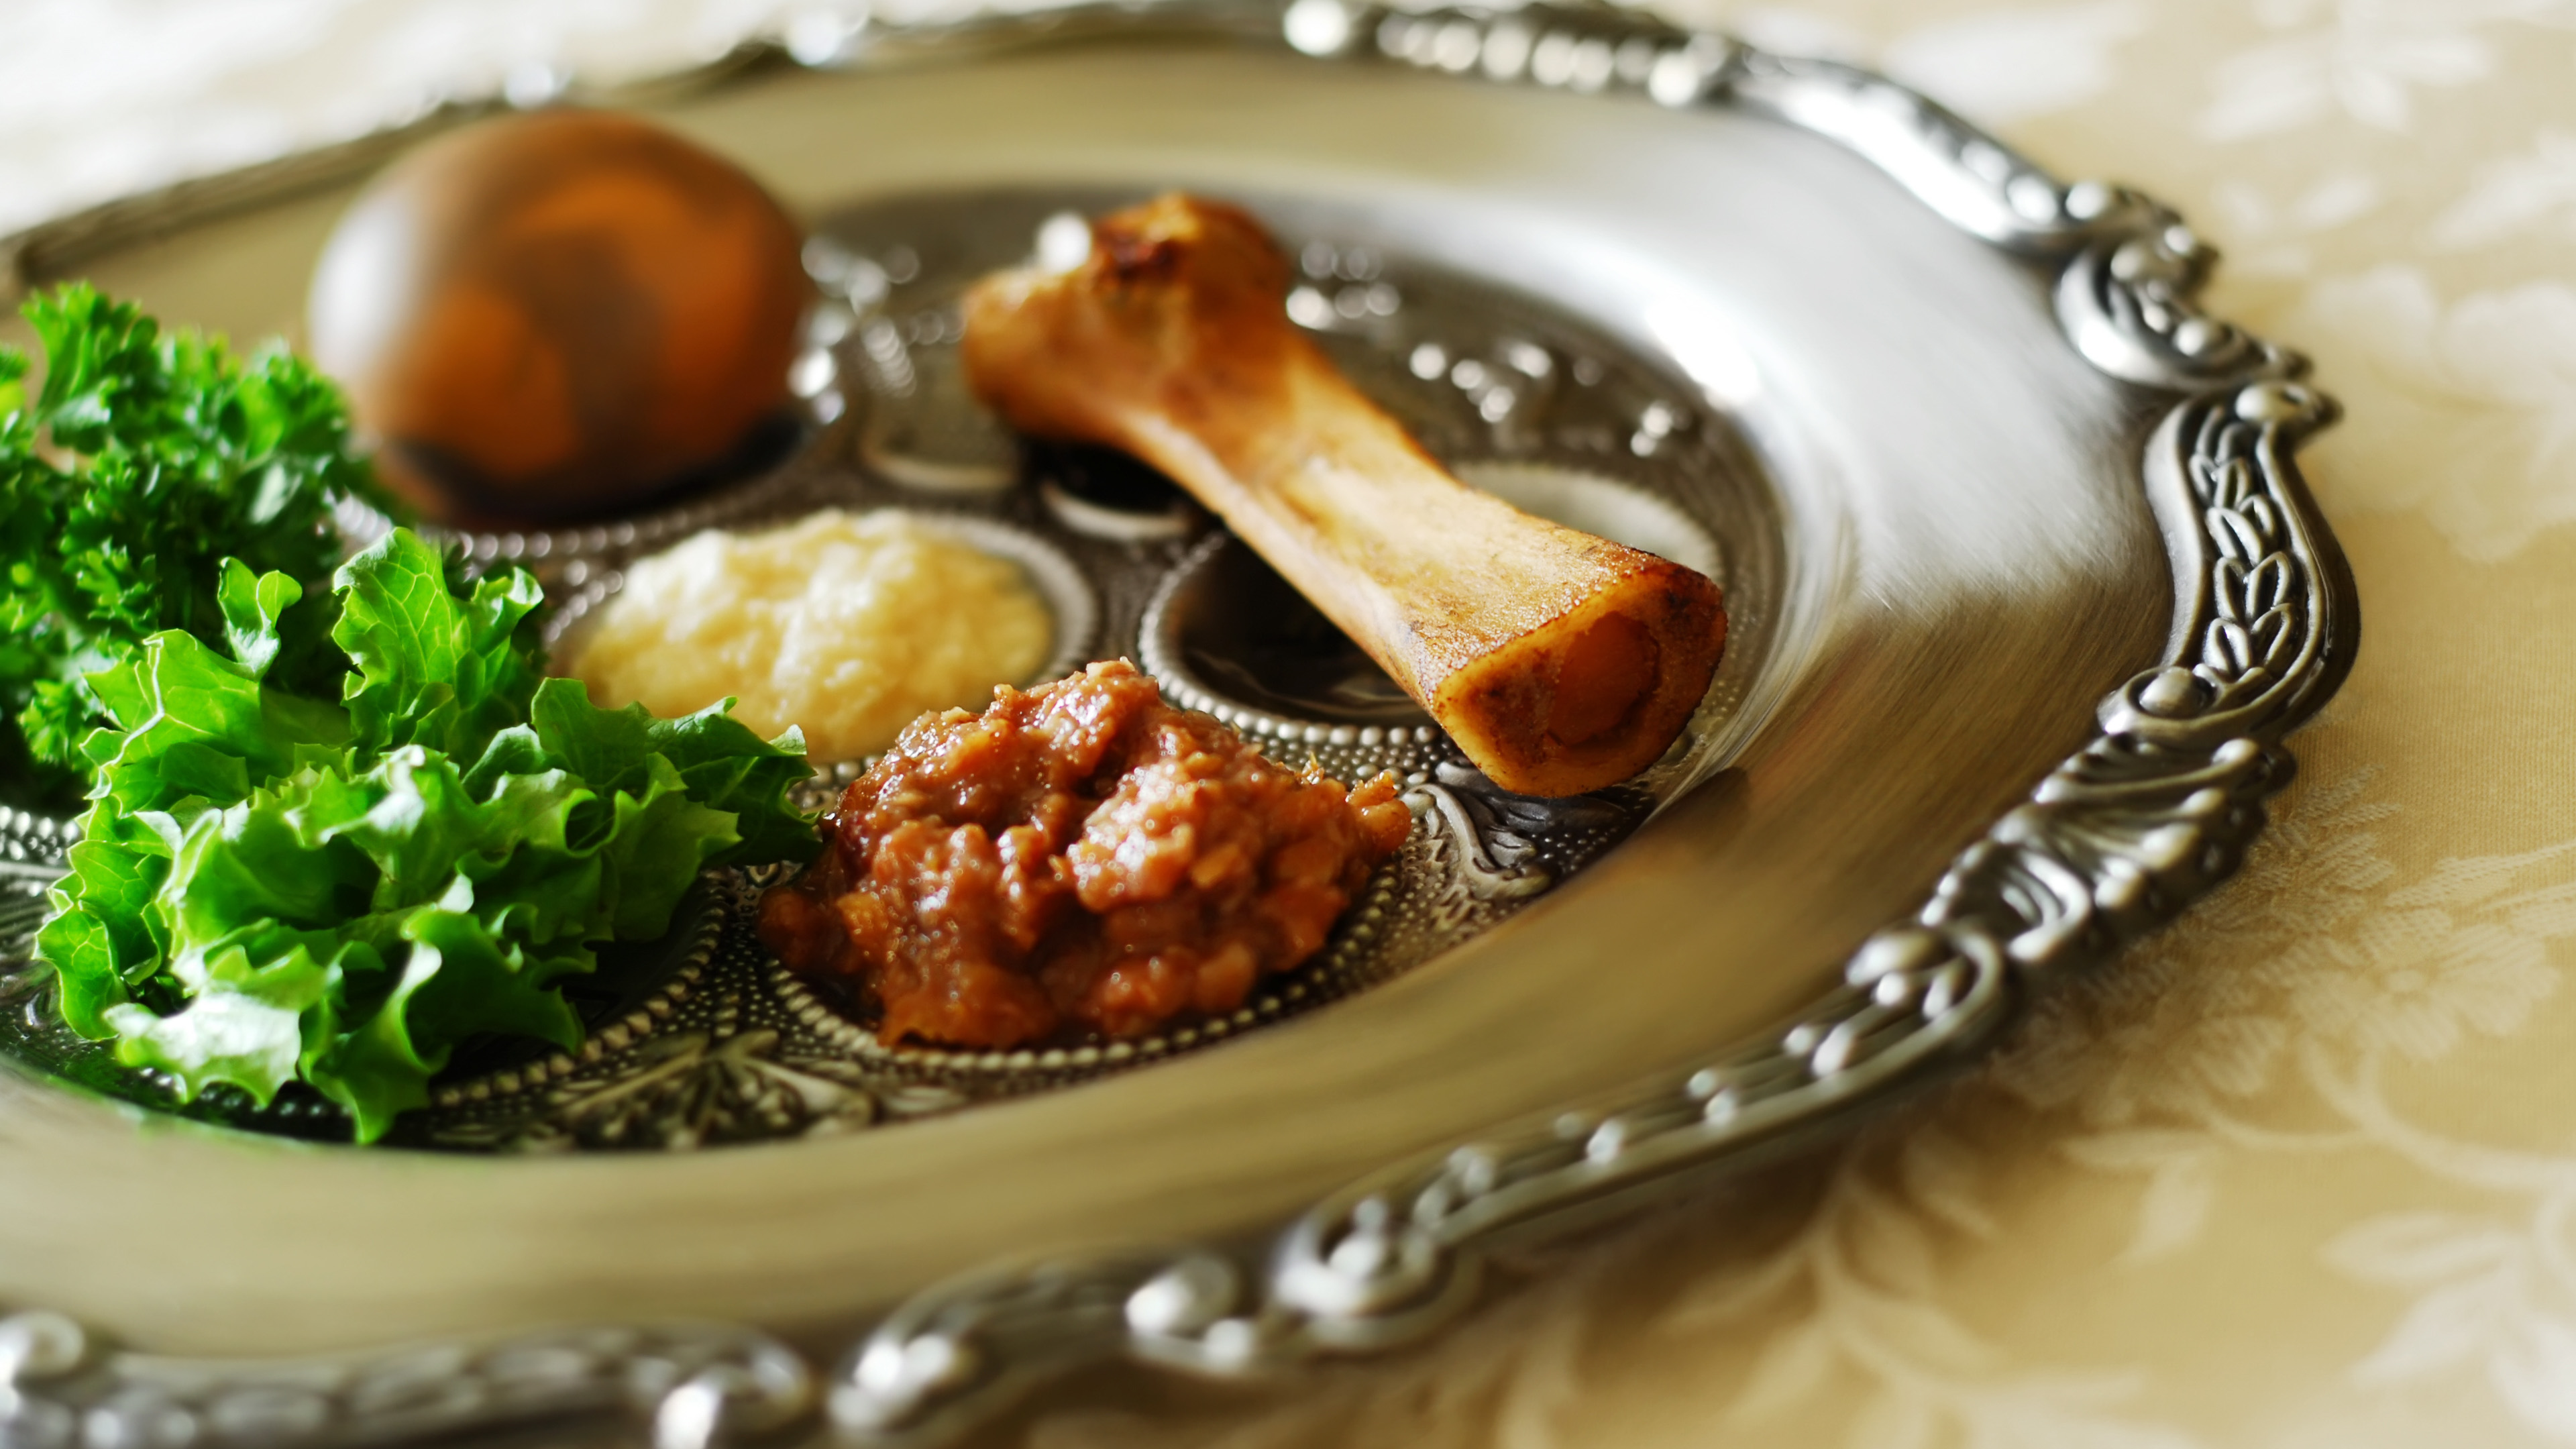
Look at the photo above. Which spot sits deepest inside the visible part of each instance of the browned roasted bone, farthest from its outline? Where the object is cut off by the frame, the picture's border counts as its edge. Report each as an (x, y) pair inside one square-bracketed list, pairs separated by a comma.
[(1558, 661)]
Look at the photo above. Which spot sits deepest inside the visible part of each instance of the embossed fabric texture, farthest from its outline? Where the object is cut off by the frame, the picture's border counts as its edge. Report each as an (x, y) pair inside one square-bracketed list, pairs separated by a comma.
[(2302, 1171)]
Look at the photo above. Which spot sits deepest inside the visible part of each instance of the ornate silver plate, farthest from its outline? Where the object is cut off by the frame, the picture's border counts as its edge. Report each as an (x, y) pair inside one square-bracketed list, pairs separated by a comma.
[(2028, 591)]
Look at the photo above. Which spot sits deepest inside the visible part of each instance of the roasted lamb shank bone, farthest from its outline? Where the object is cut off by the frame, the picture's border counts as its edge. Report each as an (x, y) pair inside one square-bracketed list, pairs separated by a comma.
[(1558, 661)]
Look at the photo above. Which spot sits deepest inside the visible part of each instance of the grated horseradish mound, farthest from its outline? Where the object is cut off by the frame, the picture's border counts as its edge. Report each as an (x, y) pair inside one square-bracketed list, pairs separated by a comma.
[(850, 625)]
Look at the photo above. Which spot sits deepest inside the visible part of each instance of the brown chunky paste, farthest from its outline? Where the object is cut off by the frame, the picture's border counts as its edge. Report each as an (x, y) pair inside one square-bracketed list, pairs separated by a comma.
[(1080, 857)]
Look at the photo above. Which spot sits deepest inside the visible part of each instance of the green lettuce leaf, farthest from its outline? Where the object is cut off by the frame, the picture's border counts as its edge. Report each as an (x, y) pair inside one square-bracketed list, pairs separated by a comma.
[(436, 666), (273, 887), (721, 762)]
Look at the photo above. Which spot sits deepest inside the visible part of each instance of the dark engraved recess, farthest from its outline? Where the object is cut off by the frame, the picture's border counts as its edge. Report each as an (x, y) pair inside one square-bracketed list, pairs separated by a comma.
[(1107, 494), (1242, 633)]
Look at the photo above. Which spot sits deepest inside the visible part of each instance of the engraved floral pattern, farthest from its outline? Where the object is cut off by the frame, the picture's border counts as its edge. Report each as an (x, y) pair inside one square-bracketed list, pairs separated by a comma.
[(2368, 60), (2517, 194), (2476, 395)]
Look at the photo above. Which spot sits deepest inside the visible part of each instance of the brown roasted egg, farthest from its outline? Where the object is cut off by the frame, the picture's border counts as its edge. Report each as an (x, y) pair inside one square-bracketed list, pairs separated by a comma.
[(558, 315)]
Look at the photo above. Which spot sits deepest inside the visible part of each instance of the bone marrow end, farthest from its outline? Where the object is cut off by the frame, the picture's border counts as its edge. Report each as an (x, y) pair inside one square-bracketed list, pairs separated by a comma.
[(1595, 696)]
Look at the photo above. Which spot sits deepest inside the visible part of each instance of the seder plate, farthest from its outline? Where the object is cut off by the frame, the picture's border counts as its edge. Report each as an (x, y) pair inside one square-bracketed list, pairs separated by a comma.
[(2025, 593)]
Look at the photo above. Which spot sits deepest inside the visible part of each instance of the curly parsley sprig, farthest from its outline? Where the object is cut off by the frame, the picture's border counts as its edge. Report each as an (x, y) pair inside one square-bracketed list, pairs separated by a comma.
[(141, 462), (340, 819)]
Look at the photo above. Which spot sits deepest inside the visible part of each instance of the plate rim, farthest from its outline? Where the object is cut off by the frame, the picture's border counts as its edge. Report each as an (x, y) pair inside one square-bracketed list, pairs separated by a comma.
[(2152, 813)]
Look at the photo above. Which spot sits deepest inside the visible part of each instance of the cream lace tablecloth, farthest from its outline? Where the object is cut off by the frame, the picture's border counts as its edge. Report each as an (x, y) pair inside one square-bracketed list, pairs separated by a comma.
[(2301, 1172)]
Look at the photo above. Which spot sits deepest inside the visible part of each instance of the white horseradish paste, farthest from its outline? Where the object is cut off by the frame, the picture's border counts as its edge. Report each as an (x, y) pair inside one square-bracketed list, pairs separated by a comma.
[(850, 625)]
